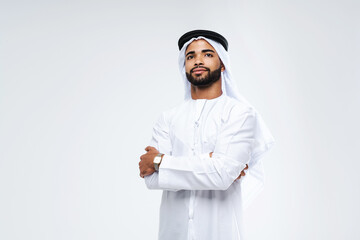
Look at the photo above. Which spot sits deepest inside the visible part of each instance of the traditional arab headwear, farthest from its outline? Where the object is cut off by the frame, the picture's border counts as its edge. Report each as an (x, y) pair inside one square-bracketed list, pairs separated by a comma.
[(253, 182), (204, 33)]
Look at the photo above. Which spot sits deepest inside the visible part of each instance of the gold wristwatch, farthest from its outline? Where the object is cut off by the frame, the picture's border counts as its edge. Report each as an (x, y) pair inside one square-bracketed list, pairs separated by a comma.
[(157, 161)]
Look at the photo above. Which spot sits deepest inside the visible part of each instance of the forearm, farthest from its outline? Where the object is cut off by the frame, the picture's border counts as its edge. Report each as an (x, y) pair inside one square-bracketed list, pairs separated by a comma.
[(152, 182), (198, 172)]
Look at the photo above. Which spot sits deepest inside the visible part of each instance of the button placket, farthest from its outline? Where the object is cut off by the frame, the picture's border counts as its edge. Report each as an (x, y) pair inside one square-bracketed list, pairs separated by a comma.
[(195, 149)]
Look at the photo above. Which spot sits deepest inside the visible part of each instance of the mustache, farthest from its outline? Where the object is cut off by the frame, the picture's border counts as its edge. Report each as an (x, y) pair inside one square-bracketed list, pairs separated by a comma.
[(193, 69)]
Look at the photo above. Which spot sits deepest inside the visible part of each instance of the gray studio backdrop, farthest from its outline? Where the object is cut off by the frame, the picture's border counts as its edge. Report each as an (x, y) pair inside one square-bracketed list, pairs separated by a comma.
[(82, 82)]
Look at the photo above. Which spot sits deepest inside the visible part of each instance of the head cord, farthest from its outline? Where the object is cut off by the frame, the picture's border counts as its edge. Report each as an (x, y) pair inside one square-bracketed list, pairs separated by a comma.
[(252, 184), (228, 86)]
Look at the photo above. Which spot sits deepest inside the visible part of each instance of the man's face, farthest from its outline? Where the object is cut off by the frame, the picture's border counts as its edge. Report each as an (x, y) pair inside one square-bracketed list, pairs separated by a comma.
[(202, 64)]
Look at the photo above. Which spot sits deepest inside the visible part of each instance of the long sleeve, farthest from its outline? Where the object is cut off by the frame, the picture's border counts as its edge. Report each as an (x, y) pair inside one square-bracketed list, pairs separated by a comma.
[(161, 141), (232, 152)]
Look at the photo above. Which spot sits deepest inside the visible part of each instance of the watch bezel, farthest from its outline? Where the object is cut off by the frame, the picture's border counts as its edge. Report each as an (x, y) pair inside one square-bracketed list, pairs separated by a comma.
[(157, 161)]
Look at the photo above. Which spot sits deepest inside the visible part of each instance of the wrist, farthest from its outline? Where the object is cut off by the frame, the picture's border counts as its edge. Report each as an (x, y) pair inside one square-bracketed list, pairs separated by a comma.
[(157, 161)]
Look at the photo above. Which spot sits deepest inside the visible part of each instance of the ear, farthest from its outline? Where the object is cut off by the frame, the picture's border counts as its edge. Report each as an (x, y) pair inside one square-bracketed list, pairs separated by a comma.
[(222, 66)]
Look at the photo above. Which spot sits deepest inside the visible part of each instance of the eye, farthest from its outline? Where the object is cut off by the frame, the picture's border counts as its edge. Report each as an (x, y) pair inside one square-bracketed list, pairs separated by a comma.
[(208, 55), (189, 57)]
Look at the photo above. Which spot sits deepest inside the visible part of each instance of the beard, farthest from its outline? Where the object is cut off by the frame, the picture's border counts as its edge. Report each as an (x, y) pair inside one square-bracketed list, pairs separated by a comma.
[(205, 81)]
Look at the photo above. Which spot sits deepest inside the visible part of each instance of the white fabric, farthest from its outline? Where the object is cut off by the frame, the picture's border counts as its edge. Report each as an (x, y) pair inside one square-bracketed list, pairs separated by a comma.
[(201, 200), (254, 181)]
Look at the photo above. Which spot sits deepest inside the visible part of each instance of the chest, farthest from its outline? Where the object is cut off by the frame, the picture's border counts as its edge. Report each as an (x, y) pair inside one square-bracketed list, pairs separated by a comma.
[(195, 131)]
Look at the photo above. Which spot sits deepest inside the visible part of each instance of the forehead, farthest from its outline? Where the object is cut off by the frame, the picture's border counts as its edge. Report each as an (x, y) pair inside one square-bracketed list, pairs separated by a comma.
[(198, 45)]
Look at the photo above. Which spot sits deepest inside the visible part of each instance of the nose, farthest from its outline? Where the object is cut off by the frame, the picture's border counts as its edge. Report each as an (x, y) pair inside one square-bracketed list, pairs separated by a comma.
[(198, 60)]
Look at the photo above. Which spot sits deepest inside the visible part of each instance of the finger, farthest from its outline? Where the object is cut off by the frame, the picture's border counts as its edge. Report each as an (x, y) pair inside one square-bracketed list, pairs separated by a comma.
[(242, 173), (146, 172), (148, 148), (246, 167)]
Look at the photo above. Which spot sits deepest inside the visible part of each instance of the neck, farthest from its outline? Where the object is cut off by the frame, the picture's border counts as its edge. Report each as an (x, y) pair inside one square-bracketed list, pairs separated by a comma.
[(206, 92)]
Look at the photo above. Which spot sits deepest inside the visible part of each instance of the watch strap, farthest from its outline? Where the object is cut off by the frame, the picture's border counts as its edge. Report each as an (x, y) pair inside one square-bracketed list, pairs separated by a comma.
[(157, 161)]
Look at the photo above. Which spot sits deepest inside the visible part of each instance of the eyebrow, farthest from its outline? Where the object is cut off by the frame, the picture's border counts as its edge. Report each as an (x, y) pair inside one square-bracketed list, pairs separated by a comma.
[(204, 50)]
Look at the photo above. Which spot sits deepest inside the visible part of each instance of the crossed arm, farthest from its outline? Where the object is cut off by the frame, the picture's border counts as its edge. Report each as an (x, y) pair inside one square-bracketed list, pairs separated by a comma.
[(210, 171), (146, 164)]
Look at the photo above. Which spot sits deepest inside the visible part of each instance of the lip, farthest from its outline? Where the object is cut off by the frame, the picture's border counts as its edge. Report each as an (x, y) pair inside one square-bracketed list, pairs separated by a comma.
[(199, 70)]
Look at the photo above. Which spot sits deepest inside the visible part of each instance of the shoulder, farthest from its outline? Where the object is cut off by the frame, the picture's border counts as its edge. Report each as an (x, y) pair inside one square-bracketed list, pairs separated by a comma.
[(235, 108), (167, 116)]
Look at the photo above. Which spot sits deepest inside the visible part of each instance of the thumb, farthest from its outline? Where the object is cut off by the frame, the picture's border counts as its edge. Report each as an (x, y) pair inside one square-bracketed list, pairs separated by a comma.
[(148, 148)]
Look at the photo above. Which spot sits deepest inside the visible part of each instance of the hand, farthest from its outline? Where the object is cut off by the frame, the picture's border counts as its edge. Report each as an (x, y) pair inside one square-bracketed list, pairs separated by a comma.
[(242, 173), (146, 165)]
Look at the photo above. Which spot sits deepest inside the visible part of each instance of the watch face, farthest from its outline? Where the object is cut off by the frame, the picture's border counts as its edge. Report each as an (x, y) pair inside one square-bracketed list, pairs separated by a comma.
[(157, 160)]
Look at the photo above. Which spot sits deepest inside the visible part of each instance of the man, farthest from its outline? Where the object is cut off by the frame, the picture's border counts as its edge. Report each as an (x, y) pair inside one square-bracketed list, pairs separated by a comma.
[(200, 150)]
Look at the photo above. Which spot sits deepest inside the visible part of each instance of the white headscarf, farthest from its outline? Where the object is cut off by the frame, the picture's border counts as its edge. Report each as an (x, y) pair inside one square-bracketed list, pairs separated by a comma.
[(253, 182)]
